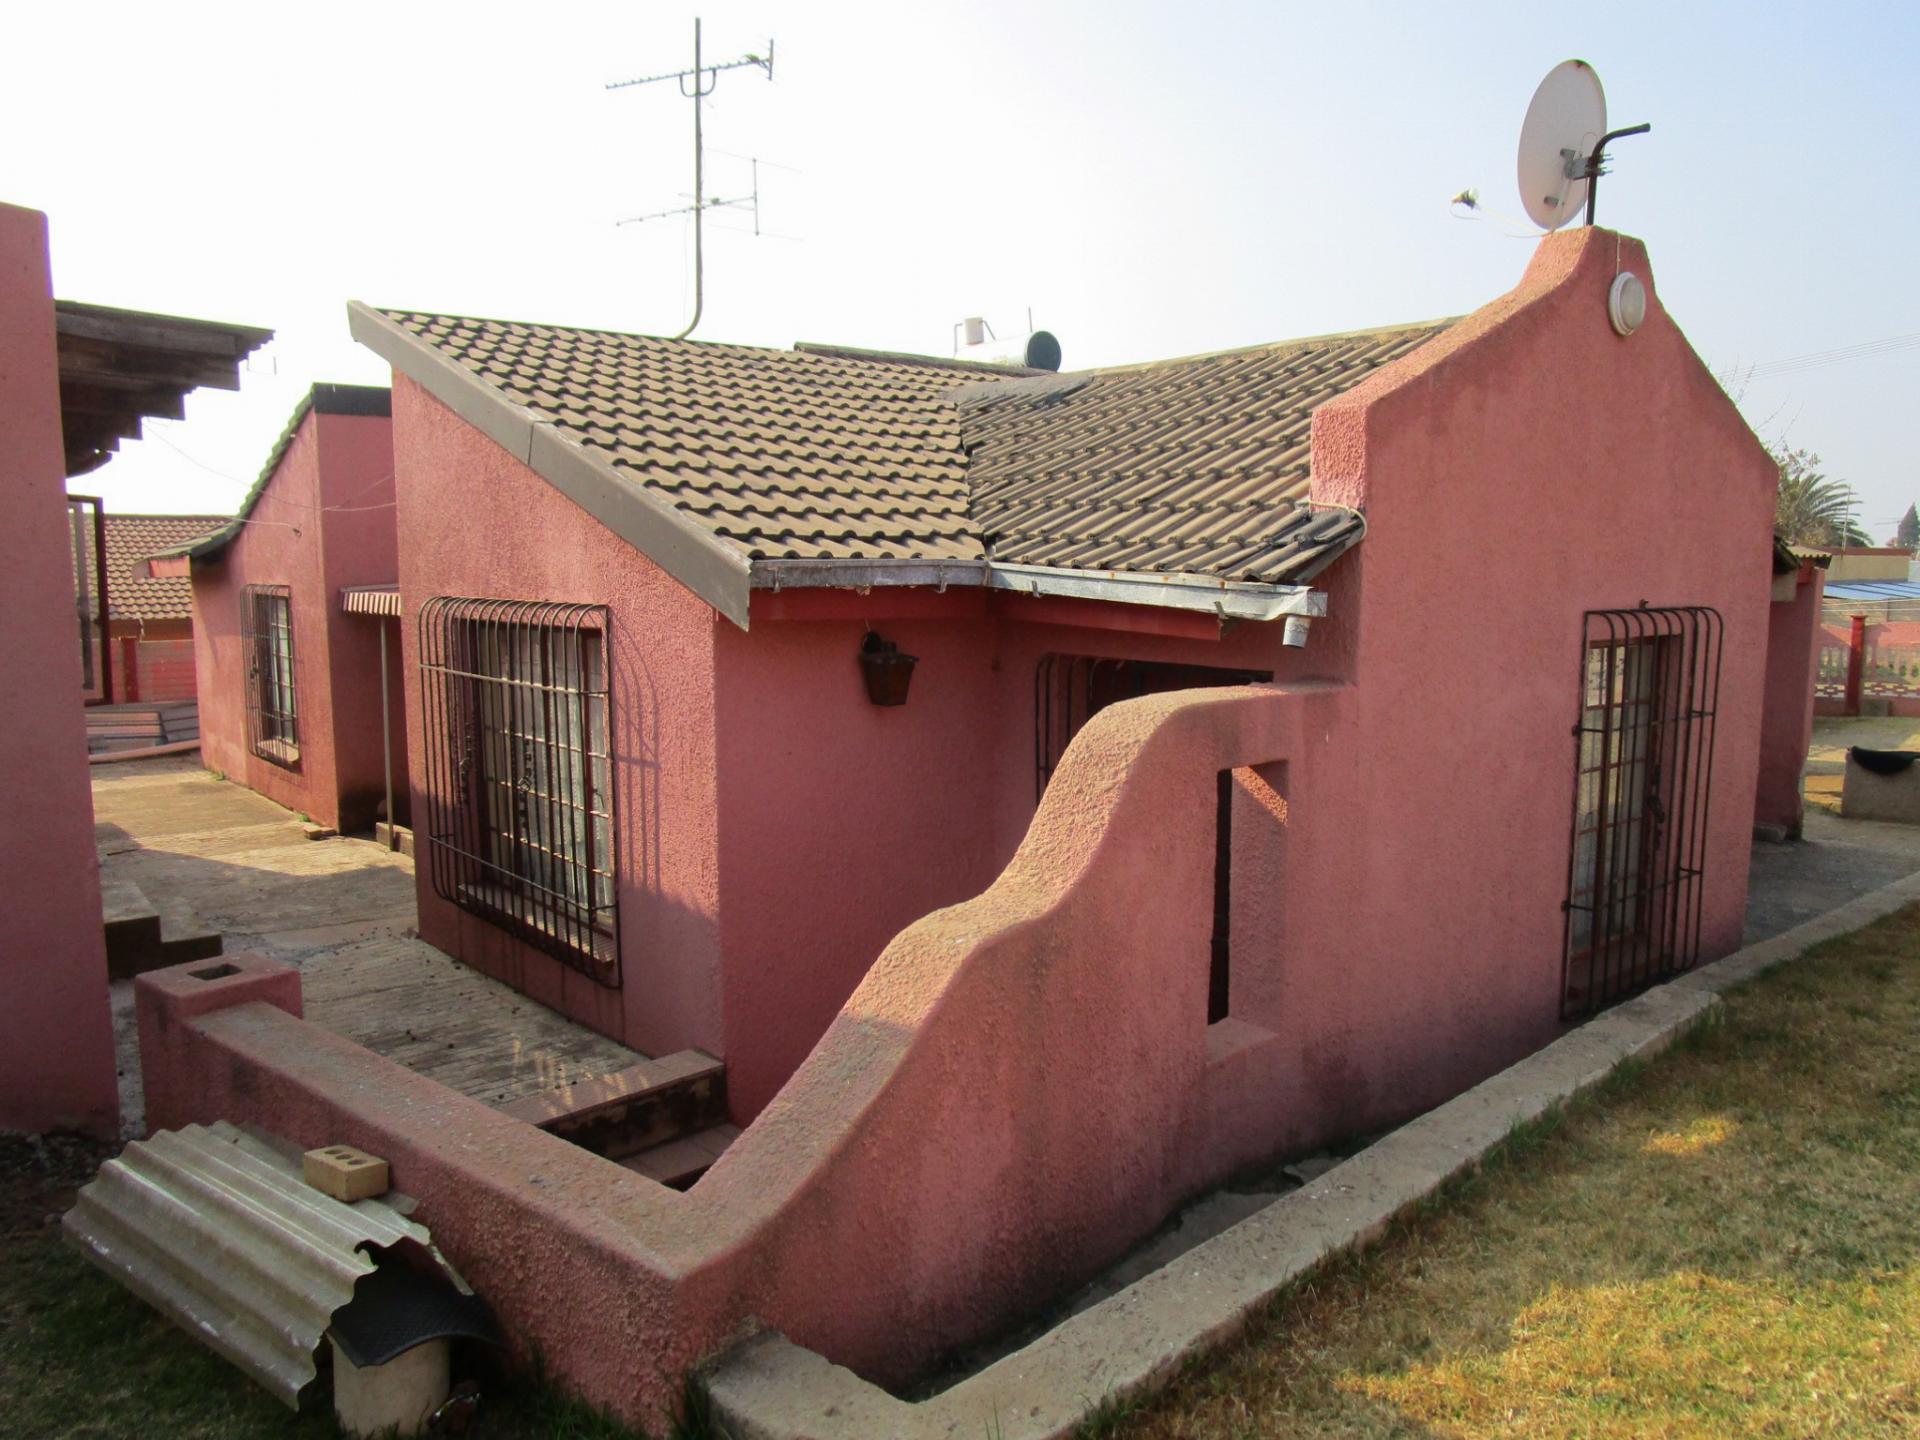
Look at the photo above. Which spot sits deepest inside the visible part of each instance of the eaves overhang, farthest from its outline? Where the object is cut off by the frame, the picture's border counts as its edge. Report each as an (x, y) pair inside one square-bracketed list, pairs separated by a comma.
[(1227, 599), (707, 565)]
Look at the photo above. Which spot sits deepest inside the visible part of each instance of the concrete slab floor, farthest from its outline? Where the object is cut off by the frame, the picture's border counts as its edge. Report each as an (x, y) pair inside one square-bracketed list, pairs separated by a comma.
[(1837, 860), (343, 911)]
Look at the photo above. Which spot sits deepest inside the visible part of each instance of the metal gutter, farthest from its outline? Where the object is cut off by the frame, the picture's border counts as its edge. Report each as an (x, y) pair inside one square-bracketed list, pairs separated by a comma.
[(221, 1235), (1229, 599), (696, 557)]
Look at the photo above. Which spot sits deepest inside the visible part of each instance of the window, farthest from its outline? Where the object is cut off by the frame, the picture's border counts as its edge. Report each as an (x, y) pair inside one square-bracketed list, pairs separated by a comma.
[(519, 772), (1642, 776), (266, 639), (1069, 690)]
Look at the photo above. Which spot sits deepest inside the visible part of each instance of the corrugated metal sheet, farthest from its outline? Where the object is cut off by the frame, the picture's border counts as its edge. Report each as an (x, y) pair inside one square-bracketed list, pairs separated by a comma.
[(219, 1233), (370, 599), (1873, 590)]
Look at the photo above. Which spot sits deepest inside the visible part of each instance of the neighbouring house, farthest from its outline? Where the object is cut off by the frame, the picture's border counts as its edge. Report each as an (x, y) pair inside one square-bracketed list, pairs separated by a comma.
[(295, 619), (1046, 793), (75, 380), (149, 617)]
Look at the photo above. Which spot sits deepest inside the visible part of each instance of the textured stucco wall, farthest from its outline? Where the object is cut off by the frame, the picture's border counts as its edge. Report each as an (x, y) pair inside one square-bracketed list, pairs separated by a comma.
[(56, 1037), (841, 822), (295, 540), (1527, 466), (359, 546), (1793, 653), (474, 521)]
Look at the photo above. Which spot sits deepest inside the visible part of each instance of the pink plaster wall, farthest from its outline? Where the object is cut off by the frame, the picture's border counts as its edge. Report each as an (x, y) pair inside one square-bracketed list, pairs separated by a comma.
[(474, 521), (294, 539), (842, 822), (1786, 731), (56, 1036), (1525, 467)]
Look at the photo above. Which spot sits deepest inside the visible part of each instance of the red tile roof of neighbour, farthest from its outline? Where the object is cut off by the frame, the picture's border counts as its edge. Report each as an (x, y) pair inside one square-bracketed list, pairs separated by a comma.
[(1193, 467), (132, 538)]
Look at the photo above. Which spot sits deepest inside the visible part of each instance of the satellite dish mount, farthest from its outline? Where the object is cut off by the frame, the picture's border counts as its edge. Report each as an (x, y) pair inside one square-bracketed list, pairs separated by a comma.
[(1563, 145), (1597, 161)]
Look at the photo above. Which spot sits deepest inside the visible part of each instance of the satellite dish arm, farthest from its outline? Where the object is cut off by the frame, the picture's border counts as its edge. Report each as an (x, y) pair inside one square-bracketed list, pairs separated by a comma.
[(1596, 162)]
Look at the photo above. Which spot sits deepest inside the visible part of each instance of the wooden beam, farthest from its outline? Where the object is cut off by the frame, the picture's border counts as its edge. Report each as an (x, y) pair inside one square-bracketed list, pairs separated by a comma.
[(81, 397), (174, 333)]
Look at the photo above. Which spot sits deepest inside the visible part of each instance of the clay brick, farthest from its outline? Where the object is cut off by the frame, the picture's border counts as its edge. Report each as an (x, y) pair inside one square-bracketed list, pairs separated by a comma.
[(344, 1172)]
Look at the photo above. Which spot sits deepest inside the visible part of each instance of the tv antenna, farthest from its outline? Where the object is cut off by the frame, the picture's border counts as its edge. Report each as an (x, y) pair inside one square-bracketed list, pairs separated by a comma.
[(1563, 145), (703, 79)]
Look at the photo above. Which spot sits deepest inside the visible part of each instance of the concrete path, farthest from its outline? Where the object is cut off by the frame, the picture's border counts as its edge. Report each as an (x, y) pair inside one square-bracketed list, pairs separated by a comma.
[(1839, 860), (343, 911)]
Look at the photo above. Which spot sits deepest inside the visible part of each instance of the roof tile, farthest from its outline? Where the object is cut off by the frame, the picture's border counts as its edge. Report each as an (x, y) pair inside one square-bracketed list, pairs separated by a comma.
[(1197, 465)]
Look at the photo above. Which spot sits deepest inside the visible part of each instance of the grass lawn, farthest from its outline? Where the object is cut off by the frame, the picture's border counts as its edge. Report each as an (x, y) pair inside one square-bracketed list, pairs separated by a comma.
[(1725, 1242)]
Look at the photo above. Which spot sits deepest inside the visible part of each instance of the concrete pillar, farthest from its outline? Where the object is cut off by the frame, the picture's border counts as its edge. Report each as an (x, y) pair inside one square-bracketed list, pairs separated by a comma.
[(56, 1033)]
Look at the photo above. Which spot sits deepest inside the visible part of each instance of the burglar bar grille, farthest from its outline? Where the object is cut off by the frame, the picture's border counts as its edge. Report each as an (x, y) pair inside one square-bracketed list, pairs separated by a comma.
[(266, 639), (1069, 690), (519, 785), (1643, 775)]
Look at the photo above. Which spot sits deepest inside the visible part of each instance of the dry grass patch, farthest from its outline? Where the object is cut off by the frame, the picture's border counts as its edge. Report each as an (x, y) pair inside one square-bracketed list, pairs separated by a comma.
[(1725, 1242)]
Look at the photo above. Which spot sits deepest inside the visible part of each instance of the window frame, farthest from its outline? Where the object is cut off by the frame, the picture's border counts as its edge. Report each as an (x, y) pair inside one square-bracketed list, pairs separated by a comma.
[(522, 828), (272, 686)]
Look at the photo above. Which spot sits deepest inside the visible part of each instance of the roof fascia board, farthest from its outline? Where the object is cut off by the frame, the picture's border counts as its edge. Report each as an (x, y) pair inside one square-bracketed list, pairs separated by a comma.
[(693, 555), (1236, 600), (1233, 600)]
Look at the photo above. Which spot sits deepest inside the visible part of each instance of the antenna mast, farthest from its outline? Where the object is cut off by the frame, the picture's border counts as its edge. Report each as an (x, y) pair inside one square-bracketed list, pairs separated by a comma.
[(703, 79)]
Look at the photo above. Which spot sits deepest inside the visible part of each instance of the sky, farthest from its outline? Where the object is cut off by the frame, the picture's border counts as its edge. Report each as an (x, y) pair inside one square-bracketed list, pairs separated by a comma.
[(1147, 180)]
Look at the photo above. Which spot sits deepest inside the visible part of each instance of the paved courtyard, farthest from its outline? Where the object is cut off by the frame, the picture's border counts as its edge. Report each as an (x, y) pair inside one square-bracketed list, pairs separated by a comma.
[(343, 911)]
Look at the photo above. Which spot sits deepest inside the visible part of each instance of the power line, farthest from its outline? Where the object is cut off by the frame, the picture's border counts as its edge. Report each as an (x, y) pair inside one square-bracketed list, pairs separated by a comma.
[(1816, 359)]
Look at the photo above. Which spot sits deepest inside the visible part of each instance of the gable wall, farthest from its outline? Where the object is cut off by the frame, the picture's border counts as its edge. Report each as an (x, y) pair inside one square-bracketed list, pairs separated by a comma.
[(476, 522), (1526, 467), (280, 545)]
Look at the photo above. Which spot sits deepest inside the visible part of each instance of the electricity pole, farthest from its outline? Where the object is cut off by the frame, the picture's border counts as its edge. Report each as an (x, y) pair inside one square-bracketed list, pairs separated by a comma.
[(703, 78)]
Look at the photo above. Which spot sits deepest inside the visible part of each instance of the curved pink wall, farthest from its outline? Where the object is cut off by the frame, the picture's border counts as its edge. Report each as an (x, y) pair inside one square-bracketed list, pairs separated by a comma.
[(56, 1036), (315, 527)]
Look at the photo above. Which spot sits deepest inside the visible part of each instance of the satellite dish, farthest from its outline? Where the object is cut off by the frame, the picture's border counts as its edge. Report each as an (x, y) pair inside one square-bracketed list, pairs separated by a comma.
[(1565, 125)]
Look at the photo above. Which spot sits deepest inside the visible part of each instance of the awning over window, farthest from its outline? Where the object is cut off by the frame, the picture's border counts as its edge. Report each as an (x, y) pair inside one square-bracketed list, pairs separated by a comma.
[(370, 599)]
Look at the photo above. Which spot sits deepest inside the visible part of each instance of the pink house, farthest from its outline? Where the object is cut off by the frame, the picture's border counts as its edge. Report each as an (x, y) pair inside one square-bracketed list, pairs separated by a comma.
[(1045, 793), (295, 634)]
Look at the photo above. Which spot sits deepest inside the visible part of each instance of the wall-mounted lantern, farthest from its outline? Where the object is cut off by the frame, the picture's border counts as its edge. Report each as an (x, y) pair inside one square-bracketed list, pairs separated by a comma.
[(887, 671)]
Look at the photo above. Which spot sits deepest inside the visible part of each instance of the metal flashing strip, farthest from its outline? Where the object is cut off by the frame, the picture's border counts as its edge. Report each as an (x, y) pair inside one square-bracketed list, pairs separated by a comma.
[(220, 1234), (1229, 599), (686, 550)]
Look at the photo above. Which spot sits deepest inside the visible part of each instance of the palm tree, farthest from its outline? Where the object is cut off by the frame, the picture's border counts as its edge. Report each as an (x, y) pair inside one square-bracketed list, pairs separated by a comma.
[(1812, 509)]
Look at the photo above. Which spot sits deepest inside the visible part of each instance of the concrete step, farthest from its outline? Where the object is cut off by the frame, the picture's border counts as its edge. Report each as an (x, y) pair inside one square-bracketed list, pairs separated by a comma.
[(143, 936), (132, 928), (679, 1163), (184, 935), (643, 1107)]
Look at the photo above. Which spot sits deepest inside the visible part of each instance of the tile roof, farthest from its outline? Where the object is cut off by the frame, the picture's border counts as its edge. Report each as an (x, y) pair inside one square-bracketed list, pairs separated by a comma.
[(132, 538), (790, 454), (1196, 466)]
